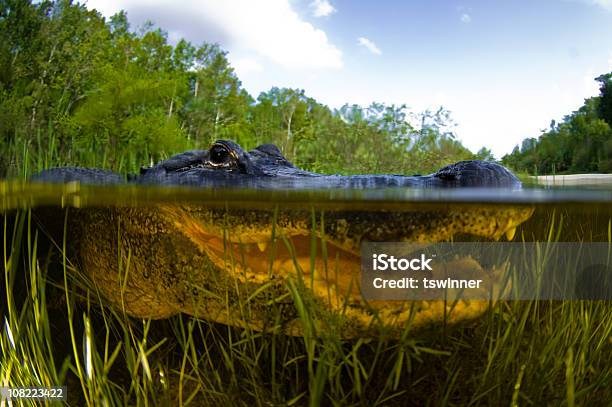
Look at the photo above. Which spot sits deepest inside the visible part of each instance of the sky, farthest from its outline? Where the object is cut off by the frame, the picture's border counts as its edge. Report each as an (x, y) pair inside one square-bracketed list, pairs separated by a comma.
[(504, 69)]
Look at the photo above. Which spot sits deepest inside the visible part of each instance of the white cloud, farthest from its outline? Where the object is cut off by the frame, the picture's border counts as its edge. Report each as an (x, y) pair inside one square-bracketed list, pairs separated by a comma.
[(244, 66), (370, 45), (441, 98), (607, 4), (589, 85), (465, 18), (268, 28), (322, 8)]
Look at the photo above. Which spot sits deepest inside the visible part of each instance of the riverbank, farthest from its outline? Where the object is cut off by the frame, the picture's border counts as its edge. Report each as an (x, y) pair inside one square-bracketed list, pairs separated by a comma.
[(574, 179)]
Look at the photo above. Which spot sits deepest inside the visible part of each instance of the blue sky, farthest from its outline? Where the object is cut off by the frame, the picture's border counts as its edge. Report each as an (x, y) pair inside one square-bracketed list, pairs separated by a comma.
[(504, 69)]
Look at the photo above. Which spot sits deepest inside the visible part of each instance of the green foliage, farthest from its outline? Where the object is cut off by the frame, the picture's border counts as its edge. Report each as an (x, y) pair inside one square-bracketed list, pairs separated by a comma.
[(130, 112), (604, 110), (485, 154), (100, 94), (581, 143), (218, 102)]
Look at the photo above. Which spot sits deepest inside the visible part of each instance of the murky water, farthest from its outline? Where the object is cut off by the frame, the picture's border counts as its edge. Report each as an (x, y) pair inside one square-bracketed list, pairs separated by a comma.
[(586, 212), (158, 252), (209, 218), (182, 244)]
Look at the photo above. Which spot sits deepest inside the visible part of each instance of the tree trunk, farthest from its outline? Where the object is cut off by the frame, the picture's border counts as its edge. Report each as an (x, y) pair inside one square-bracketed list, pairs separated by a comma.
[(217, 116), (170, 108)]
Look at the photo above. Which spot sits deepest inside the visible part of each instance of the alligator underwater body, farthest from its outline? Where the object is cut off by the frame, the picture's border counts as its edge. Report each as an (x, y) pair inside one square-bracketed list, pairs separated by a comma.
[(247, 266)]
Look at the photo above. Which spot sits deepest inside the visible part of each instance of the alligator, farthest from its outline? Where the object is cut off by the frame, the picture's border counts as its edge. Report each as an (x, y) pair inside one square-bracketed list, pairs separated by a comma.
[(255, 267), (226, 164)]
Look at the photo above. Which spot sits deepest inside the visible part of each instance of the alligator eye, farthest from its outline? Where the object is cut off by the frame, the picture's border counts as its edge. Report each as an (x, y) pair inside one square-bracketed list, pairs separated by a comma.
[(220, 155)]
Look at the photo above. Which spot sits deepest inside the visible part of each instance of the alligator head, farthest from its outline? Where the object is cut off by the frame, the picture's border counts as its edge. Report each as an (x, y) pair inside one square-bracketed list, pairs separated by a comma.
[(215, 261), (227, 164)]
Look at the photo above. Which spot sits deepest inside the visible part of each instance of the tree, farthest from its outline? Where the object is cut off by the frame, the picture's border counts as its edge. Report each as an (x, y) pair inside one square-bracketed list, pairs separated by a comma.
[(129, 107), (77, 89), (580, 143), (218, 106), (286, 117), (605, 97), (128, 112), (485, 154)]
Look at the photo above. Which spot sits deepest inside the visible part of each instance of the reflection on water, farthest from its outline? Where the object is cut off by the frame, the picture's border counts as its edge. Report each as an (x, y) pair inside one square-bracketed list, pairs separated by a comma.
[(585, 213), (21, 195)]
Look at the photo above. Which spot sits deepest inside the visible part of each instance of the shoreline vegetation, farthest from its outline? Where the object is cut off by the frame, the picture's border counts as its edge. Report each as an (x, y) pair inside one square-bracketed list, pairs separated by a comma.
[(79, 89), (573, 179), (581, 143)]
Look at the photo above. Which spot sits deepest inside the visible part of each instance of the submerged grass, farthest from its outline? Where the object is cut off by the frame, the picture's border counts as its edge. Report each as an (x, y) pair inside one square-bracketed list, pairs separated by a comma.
[(55, 331)]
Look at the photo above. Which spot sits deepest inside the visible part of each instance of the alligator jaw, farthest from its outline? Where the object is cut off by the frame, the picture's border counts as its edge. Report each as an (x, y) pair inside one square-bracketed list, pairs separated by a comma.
[(202, 261), (250, 253)]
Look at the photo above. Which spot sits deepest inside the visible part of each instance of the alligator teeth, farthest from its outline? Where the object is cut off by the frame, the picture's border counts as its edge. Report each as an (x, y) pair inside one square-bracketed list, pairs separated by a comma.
[(262, 246), (510, 233)]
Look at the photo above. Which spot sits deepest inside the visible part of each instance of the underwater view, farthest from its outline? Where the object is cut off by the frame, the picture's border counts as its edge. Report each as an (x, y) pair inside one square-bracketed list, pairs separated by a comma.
[(132, 294)]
